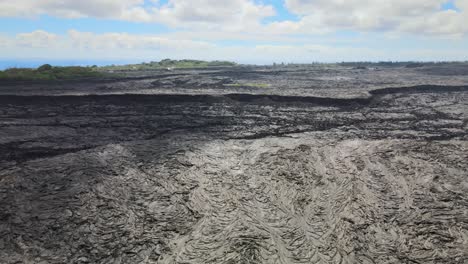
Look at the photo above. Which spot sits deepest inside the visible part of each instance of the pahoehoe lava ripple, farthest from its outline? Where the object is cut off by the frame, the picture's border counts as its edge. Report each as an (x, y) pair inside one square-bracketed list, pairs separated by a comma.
[(235, 178)]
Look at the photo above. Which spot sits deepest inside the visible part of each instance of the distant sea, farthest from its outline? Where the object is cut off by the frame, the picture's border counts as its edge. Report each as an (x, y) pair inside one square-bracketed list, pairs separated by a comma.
[(34, 63)]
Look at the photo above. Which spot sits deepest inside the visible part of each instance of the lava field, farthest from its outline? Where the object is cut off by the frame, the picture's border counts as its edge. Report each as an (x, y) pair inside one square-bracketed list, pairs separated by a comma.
[(238, 165)]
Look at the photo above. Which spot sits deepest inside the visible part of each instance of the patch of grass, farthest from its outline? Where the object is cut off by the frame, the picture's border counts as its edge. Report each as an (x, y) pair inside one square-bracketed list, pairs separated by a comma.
[(49, 73), (255, 85)]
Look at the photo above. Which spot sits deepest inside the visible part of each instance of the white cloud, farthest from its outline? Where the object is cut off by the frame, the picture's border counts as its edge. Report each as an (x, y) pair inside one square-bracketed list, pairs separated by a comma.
[(88, 45), (4, 41), (415, 16), (125, 41), (462, 4), (36, 39), (232, 14), (68, 8)]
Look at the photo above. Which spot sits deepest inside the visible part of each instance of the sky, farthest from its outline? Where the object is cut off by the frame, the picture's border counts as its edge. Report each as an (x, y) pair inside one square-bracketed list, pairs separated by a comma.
[(244, 31)]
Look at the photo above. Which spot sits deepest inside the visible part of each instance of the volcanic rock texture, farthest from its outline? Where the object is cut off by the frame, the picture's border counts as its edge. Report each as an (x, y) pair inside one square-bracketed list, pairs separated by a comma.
[(235, 178)]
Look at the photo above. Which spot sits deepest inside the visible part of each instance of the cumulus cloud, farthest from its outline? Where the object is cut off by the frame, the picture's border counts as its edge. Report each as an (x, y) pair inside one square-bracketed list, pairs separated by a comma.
[(78, 45), (175, 13), (89, 40), (36, 39), (231, 14), (69, 8), (415, 16), (462, 4)]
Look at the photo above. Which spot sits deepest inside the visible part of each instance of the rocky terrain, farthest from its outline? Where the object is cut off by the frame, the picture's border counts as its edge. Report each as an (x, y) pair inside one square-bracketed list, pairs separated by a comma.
[(241, 165)]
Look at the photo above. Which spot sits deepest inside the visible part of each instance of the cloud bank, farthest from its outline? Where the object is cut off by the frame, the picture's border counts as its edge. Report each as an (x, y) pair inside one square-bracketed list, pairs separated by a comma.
[(113, 46)]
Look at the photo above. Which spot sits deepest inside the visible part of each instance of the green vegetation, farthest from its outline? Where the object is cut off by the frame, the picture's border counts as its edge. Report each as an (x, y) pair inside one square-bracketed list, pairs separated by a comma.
[(169, 64), (49, 73), (255, 85)]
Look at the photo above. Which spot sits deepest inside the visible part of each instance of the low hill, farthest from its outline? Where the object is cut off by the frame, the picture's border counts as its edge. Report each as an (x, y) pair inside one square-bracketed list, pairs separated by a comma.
[(170, 64)]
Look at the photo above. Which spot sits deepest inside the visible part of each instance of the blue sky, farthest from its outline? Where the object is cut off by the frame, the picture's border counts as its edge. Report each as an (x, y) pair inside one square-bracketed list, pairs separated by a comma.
[(246, 31)]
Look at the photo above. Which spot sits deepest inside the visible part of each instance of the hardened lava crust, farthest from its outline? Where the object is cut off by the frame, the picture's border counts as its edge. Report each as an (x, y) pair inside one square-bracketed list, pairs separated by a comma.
[(238, 165)]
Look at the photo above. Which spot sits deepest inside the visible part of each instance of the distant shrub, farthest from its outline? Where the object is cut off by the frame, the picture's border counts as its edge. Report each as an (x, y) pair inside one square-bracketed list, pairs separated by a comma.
[(45, 67), (221, 63)]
